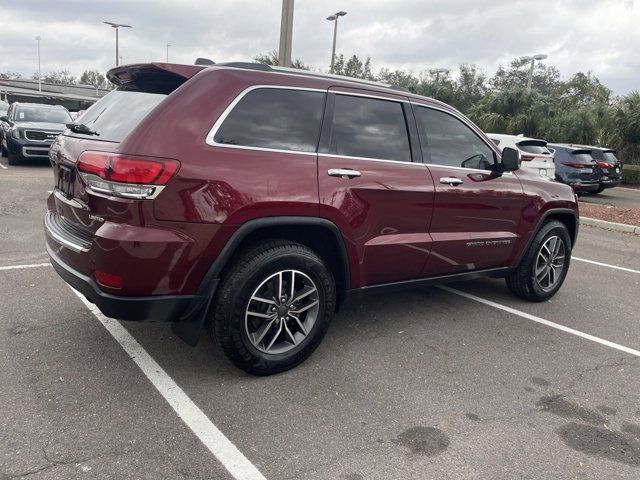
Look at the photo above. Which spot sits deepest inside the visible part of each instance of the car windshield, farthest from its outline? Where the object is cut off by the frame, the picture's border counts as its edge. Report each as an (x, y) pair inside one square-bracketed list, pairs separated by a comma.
[(41, 114)]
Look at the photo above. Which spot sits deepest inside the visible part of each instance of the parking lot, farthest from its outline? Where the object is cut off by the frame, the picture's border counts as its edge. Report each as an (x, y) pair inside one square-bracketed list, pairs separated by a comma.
[(461, 382)]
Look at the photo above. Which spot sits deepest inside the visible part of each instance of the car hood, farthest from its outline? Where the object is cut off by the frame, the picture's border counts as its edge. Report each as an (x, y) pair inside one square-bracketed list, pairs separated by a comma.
[(55, 127)]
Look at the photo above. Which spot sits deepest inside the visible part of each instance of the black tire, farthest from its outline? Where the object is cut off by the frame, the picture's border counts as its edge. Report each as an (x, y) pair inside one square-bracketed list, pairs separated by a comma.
[(522, 281), (3, 151), (248, 273), (13, 159), (599, 190)]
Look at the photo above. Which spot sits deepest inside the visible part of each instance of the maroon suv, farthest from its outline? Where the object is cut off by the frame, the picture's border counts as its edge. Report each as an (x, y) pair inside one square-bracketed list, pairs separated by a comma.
[(253, 200)]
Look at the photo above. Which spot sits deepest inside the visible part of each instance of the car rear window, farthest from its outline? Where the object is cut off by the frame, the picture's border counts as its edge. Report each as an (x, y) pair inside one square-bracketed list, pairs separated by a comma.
[(274, 118), (116, 114), (535, 147), (583, 157)]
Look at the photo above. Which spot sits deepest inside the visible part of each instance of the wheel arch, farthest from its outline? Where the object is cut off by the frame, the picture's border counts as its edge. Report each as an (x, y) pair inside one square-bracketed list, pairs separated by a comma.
[(320, 234)]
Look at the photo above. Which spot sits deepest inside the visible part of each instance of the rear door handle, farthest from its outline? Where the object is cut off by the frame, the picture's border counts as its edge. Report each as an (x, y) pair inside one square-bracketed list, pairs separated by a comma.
[(343, 173), (451, 181)]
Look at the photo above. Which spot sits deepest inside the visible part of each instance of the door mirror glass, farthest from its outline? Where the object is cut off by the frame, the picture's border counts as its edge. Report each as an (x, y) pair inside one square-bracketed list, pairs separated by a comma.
[(510, 159)]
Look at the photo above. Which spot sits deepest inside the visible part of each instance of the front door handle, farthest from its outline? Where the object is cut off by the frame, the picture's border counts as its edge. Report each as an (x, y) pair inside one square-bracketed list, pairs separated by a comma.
[(451, 181), (343, 173)]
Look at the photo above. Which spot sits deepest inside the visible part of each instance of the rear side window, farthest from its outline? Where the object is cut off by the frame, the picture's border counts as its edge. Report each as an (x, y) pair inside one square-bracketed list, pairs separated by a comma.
[(278, 119), (448, 141), (534, 147), (116, 114), (370, 128), (610, 157)]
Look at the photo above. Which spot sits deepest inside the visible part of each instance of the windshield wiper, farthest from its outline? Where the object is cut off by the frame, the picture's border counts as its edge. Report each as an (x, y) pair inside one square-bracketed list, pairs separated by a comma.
[(81, 128)]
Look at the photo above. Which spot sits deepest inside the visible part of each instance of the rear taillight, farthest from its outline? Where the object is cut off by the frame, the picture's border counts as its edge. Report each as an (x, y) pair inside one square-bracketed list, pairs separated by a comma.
[(604, 165), (527, 158), (125, 175)]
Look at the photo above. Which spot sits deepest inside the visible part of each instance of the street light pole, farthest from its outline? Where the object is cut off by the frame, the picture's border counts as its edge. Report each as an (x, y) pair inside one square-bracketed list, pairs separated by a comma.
[(168, 45), (334, 18), (286, 34), (539, 56), (117, 26), (38, 38)]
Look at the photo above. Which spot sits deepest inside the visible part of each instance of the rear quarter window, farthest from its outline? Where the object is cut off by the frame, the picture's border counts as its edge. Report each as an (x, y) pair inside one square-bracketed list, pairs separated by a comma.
[(532, 148), (274, 118)]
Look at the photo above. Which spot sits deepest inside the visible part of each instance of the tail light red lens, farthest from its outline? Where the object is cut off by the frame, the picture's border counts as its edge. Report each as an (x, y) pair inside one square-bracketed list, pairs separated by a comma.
[(125, 176), (126, 168), (527, 158), (109, 280), (604, 165)]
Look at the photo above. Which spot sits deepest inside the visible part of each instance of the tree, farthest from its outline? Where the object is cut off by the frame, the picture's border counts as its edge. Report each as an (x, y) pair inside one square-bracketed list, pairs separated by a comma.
[(10, 75), (60, 77), (545, 80), (271, 58), (94, 78), (469, 87)]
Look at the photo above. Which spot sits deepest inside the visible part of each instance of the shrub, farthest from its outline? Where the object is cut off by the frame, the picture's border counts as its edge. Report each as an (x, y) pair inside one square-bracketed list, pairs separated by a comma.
[(631, 174)]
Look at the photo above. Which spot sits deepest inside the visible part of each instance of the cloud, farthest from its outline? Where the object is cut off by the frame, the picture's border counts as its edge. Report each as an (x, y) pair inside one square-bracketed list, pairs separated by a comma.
[(578, 35)]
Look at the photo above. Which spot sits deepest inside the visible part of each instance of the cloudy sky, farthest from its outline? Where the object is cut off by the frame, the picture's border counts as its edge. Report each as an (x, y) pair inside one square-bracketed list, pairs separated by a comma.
[(578, 35)]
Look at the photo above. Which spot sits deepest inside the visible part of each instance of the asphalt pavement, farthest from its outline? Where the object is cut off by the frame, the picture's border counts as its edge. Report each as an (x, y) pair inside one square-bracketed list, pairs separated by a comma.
[(463, 383), (623, 197)]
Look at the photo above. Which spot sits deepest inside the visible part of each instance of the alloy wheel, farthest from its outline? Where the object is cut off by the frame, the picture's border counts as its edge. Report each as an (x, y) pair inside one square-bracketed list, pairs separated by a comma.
[(282, 311), (550, 263)]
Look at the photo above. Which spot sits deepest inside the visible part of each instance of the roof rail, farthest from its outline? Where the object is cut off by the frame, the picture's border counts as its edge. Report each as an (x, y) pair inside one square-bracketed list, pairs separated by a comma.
[(309, 73), (399, 88), (247, 65)]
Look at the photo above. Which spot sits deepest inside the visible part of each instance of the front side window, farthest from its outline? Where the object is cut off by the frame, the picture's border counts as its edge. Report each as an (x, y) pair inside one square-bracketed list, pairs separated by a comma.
[(448, 141), (370, 128), (274, 118)]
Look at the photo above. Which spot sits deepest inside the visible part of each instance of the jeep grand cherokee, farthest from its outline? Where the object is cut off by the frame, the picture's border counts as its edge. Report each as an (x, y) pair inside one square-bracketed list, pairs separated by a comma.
[(252, 200)]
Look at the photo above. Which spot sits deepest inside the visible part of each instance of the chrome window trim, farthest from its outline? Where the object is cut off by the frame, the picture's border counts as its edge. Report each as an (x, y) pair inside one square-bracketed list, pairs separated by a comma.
[(404, 99), (210, 138), (333, 155)]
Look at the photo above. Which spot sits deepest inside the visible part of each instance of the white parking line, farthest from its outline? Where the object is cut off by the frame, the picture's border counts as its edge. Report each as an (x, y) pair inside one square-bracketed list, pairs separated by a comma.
[(3, 166), (18, 267), (225, 452), (624, 269), (548, 323)]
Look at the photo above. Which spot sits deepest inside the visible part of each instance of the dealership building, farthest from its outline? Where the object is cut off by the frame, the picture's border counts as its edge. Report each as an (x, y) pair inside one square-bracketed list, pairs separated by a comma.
[(73, 97)]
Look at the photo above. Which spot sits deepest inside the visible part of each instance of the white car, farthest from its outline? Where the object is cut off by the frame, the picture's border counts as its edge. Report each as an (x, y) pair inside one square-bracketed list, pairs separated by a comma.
[(534, 153)]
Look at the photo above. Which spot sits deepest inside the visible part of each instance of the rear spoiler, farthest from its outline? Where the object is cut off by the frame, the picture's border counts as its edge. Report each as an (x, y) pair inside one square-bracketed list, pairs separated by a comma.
[(581, 151), (532, 143), (152, 77)]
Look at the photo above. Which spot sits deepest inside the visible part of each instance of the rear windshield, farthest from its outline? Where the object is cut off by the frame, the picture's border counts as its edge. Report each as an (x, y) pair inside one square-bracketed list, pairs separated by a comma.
[(583, 157), (534, 147), (41, 114), (116, 114), (610, 157)]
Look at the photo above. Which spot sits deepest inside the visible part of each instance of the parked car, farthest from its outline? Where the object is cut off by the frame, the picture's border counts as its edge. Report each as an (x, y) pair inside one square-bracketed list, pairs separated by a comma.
[(576, 167), (253, 200), (610, 166), (534, 153), (4, 106), (28, 129)]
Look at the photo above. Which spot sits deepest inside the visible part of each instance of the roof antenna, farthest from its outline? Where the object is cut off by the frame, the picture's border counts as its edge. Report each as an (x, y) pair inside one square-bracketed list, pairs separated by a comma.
[(204, 61)]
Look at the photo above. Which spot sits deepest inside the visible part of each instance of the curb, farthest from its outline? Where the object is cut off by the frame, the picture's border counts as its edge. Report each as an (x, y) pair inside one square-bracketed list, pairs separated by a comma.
[(616, 227)]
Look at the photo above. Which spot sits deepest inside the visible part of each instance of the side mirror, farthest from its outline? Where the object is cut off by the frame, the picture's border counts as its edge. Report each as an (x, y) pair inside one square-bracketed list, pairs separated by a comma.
[(510, 160), (4, 118)]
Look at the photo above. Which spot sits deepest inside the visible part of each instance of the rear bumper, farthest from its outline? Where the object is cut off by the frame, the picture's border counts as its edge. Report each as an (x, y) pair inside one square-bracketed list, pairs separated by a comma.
[(611, 182), (584, 186), (161, 308)]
